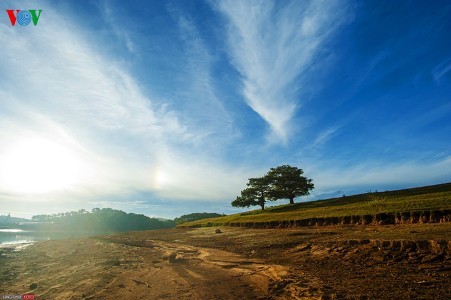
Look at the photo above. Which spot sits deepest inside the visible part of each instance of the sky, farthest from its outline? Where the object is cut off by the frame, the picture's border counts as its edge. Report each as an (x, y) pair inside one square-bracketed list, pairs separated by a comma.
[(166, 108)]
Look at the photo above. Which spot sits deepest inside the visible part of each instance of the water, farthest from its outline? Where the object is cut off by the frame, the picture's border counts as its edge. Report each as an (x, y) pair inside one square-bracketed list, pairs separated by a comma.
[(16, 237)]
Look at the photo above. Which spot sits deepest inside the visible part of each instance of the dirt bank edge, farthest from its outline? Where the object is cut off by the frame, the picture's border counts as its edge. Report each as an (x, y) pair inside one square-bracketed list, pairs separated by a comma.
[(413, 217)]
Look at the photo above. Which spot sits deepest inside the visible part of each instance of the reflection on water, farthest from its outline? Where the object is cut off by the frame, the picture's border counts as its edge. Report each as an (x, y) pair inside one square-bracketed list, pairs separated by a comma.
[(15, 237), (11, 230)]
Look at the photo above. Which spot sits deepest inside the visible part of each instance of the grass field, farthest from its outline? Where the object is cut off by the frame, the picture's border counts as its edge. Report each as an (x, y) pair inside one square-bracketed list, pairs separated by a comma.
[(426, 198)]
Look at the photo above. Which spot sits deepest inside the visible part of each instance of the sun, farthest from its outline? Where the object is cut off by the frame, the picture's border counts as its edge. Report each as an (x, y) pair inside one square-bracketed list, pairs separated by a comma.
[(160, 179), (39, 165)]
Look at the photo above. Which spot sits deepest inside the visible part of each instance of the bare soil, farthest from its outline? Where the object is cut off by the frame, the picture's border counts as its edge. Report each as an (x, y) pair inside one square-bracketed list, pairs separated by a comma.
[(327, 262)]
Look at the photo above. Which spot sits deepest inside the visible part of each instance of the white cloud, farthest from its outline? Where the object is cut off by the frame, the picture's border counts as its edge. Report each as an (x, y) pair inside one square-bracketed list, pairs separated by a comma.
[(377, 175), (441, 70), (56, 86), (272, 47), (324, 136), (108, 13), (202, 109), (78, 101)]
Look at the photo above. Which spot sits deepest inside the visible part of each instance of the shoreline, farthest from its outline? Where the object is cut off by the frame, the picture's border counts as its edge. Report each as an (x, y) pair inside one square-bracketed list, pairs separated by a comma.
[(16, 246), (31, 237)]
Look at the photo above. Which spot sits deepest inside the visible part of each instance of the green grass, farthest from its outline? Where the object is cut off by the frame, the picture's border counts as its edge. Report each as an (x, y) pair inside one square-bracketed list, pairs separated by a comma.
[(427, 198)]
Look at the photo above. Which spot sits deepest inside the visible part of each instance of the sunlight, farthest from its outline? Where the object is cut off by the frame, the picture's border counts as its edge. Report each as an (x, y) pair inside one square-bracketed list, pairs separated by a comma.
[(161, 179), (38, 165)]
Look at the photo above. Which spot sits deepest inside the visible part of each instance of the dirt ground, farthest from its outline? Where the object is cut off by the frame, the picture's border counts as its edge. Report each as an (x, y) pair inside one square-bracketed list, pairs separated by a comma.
[(331, 262)]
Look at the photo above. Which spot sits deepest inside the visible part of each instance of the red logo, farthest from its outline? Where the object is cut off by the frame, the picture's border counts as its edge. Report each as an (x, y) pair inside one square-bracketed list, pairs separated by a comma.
[(24, 17), (28, 297)]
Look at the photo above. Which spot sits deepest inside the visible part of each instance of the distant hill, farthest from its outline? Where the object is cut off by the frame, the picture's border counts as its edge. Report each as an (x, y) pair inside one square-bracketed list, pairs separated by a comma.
[(8, 220), (428, 203), (195, 217), (106, 219)]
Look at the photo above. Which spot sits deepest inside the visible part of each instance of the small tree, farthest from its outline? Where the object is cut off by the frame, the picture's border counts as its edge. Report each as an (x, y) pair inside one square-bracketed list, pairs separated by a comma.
[(287, 182), (256, 194)]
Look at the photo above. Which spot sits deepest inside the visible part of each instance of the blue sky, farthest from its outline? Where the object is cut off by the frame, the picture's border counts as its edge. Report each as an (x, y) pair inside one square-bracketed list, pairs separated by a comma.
[(168, 107)]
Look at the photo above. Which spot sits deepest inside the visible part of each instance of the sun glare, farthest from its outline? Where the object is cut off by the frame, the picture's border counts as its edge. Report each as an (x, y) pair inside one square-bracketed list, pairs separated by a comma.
[(39, 165), (160, 179)]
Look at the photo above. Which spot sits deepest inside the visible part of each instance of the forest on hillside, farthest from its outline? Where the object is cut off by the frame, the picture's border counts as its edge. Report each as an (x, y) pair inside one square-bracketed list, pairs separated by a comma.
[(195, 217), (99, 220)]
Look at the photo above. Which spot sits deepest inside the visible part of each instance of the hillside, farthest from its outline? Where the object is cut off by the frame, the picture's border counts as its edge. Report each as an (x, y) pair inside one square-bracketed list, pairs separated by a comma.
[(97, 220), (196, 217), (8, 220), (420, 204)]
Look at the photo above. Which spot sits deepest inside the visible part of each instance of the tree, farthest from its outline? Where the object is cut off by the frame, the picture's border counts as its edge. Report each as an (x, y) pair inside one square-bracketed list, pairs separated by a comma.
[(287, 182), (256, 194), (283, 182)]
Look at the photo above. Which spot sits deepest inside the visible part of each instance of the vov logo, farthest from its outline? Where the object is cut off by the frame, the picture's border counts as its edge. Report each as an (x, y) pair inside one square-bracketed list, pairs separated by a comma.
[(24, 17)]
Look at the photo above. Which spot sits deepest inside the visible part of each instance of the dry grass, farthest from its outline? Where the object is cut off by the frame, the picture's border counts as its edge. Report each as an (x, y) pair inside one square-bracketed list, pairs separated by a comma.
[(427, 198)]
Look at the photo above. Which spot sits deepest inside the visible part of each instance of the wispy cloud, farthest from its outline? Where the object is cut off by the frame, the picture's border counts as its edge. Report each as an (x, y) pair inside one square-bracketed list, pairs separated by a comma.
[(441, 70), (197, 98), (76, 104), (381, 175), (73, 95), (324, 136), (111, 18), (272, 45), (170, 109)]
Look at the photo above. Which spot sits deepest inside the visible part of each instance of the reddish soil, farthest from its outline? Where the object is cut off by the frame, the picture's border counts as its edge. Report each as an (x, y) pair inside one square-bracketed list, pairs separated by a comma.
[(331, 262)]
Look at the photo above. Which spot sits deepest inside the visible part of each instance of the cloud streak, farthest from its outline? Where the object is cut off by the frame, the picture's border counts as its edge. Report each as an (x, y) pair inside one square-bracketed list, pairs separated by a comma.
[(381, 176), (174, 112), (197, 99), (441, 70), (272, 45), (93, 107)]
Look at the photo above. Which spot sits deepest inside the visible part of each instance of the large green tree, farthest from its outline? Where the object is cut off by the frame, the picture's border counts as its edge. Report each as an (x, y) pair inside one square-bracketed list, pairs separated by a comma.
[(287, 182), (282, 182), (257, 193)]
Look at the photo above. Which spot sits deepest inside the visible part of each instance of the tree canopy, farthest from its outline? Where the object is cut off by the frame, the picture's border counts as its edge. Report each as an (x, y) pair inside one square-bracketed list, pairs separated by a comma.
[(283, 182), (105, 219), (287, 182), (256, 194)]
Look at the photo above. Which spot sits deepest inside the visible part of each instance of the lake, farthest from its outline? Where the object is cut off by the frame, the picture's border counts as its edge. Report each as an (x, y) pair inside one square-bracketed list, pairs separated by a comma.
[(13, 237)]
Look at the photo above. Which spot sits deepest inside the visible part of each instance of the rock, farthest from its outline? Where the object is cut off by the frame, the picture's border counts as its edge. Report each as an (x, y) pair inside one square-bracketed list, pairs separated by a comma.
[(428, 267), (138, 281), (33, 286), (218, 231), (378, 257), (432, 258), (172, 257), (303, 247), (176, 258)]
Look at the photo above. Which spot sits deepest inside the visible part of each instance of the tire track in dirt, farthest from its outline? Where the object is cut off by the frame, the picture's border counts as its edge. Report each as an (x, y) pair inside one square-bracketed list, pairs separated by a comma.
[(197, 265)]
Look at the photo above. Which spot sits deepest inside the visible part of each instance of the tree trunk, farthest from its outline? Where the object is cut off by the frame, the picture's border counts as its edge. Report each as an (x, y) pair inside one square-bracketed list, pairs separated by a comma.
[(263, 206), (291, 200)]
